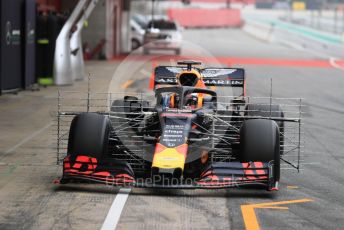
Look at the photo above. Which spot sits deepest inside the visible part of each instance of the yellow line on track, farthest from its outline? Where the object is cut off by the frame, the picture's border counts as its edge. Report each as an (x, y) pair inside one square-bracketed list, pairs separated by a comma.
[(127, 84), (292, 187), (249, 215)]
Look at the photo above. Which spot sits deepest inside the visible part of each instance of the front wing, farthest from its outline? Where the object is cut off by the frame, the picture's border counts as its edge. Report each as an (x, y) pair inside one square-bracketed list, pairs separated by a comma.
[(216, 176)]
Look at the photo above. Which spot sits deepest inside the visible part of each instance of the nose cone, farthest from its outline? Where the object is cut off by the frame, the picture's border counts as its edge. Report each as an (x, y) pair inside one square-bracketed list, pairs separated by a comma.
[(169, 158)]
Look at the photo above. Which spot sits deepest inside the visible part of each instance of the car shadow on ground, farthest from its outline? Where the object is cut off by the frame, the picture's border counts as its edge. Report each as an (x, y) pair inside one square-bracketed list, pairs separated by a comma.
[(246, 192)]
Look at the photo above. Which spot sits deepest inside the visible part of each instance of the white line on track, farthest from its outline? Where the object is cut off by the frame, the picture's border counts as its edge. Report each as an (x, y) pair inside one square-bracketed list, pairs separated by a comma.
[(29, 137), (116, 209), (334, 64), (332, 59)]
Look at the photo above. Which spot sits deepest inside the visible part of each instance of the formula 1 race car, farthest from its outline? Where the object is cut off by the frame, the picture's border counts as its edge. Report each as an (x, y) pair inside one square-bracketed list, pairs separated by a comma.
[(188, 137)]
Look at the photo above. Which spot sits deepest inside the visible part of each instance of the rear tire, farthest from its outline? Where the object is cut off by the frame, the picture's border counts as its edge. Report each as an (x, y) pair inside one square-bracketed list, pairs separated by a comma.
[(135, 44), (89, 135), (259, 141)]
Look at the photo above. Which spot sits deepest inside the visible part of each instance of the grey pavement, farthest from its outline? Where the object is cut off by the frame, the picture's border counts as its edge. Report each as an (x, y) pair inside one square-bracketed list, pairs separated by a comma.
[(29, 200)]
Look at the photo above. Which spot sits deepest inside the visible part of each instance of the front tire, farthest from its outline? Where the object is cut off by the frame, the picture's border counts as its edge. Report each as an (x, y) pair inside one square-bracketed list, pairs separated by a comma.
[(259, 141), (89, 135), (258, 110), (135, 44)]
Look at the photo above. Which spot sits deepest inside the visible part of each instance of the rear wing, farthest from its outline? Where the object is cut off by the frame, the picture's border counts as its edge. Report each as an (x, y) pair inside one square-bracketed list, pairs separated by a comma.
[(222, 77)]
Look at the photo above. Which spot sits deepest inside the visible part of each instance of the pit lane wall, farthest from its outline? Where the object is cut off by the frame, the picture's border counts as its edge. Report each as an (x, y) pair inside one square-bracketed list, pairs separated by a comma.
[(206, 18), (274, 30)]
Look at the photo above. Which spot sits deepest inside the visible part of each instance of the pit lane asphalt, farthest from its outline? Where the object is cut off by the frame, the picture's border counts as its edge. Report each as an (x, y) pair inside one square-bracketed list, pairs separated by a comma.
[(29, 200)]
